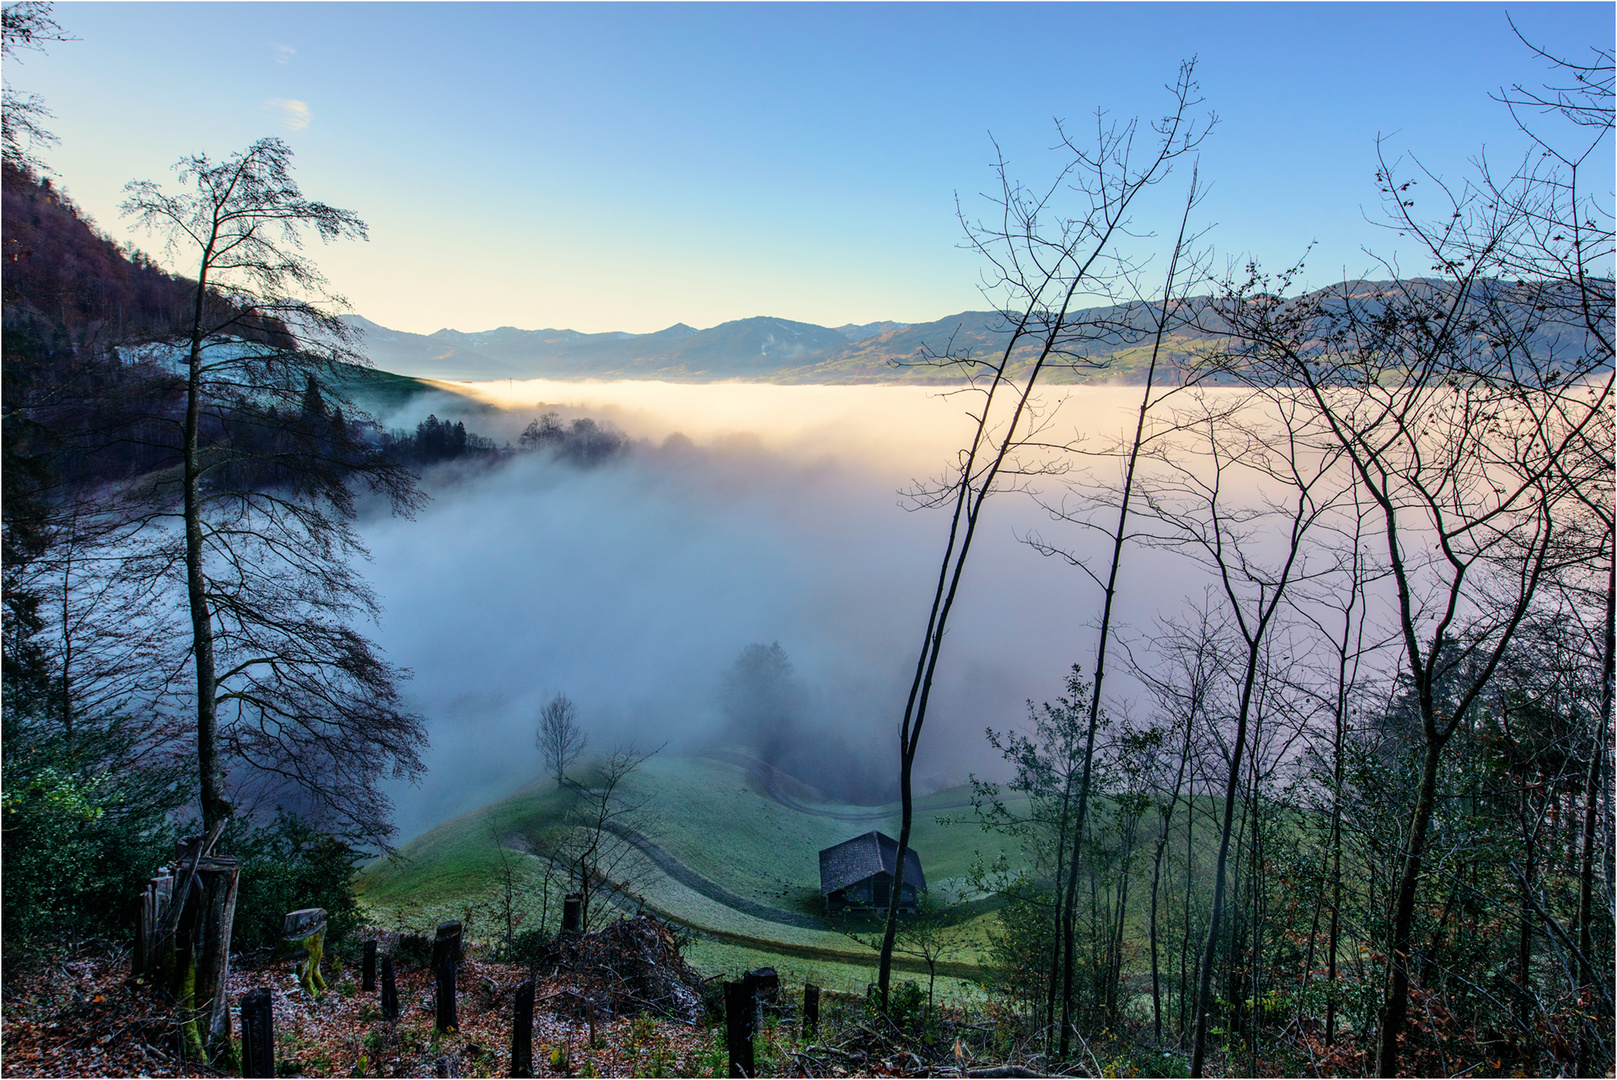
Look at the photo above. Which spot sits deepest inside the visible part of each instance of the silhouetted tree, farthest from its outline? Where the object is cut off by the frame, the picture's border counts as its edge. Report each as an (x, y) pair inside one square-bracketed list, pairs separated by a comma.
[(1039, 260), (559, 737), (257, 518)]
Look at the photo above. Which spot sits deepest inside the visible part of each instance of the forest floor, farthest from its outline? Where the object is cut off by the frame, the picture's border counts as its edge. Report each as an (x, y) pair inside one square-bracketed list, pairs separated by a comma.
[(85, 1016)]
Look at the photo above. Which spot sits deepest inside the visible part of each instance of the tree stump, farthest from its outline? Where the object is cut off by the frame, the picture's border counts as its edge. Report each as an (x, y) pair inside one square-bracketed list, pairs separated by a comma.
[(811, 1009), (303, 938), (572, 913), (767, 982), (446, 945), (367, 968), (390, 992), (445, 974), (740, 1022), (197, 927), (257, 1034), (522, 1032)]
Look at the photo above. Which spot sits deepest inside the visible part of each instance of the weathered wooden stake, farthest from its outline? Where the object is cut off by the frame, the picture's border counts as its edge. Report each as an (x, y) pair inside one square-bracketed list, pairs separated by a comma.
[(221, 878), (572, 913), (390, 992), (367, 968), (740, 1022), (767, 982), (446, 945), (811, 1009), (522, 1032), (152, 907), (445, 973), (257, 1034)]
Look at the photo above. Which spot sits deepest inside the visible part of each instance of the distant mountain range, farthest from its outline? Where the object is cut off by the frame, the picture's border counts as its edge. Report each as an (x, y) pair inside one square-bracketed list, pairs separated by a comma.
[(1116, 347), (755, 349)]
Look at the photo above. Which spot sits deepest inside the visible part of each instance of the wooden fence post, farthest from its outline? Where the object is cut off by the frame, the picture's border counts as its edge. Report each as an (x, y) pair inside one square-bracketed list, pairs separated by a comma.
[(766, 980), (740, 1022), (390, 992), (572, 913), (221, 878), (257, 1034), (445, 973), (811, 1009), (367, 968), (151, 906), (446, 944), (522, 1032)]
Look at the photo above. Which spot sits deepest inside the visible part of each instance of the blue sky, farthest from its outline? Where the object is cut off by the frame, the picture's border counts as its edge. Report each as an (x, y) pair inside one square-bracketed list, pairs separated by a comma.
[(625, 167)]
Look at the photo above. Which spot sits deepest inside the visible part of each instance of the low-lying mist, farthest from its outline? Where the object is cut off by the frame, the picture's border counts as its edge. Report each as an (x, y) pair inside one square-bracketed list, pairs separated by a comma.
[(639, 588)]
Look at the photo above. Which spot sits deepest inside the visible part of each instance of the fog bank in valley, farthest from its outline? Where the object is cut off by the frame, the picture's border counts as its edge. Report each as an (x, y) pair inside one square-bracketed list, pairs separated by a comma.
[(634, 587)]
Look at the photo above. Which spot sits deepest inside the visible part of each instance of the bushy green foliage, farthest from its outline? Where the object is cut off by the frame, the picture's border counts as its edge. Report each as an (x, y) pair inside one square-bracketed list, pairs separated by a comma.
[(82, 829), (286, 865), (528, 947)]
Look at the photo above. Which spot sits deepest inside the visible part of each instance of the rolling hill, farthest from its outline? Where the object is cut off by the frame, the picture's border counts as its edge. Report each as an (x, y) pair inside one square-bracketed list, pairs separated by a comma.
[(731, 857)]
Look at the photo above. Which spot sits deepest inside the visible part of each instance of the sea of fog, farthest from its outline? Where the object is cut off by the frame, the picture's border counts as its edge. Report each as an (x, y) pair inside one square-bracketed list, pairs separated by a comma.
[(742, 514)]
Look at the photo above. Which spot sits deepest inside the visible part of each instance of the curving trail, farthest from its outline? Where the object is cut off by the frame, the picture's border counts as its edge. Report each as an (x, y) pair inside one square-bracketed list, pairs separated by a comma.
[(767, 780), (710, 888)]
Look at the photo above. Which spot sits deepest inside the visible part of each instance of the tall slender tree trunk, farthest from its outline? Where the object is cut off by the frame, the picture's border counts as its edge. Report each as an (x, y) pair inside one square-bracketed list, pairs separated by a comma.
[(214, 805), (1057, 937), (1109, 595), (1232, 786), (1332, 939), (1190, 881), (1396, 1005), (1587, 1036), (1156, 880), (1527, 916)]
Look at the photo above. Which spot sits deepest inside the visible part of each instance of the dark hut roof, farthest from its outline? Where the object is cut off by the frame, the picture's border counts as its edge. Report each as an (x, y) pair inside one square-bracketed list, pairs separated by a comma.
[(854, 860)]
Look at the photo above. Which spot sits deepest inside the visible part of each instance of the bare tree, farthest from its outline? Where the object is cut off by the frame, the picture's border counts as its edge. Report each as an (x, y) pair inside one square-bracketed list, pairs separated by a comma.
[(559, 737), (25, 25), (1039, 260), (1271, 445), (1453, 402), (1162, 317), (257, 511), (608, 817)]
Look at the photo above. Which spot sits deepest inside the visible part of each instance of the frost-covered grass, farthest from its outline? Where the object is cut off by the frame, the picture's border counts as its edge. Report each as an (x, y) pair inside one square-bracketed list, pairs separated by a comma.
[(709, 816)]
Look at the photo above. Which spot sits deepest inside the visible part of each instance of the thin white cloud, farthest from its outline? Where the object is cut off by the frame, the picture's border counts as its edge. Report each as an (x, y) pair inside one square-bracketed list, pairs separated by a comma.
[(281, 53), (294, 114)]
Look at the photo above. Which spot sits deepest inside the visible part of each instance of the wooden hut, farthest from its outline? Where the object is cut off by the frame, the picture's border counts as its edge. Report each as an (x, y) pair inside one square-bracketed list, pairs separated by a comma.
[(857, 875)]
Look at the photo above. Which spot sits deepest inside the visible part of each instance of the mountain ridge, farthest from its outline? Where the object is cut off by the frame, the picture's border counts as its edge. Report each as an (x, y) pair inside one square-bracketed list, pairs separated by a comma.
[(759, 348), (1110, 344)]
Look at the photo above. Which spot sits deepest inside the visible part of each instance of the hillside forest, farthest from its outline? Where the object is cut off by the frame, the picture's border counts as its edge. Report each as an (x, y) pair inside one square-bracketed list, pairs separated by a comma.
[(1357, 818)]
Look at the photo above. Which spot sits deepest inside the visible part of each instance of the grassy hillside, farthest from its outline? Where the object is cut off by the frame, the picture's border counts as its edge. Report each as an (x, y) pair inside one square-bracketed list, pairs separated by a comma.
[(748, 866)]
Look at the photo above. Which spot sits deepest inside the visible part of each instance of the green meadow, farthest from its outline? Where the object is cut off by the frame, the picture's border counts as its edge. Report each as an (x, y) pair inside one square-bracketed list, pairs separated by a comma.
[(739, 847)]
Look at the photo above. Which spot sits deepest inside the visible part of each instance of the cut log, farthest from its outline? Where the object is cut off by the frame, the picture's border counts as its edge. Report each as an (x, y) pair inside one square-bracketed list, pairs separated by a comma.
[(740, 1022), (572, 913), (220, 879), (811, 1009), (445, 975), (446, 945), (767, 981), (257, 1034), (522, 1032), (390, 992)]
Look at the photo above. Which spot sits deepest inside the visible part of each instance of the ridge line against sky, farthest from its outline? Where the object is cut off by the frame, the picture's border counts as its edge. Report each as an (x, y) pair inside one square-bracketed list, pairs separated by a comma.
[(606, 167)]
